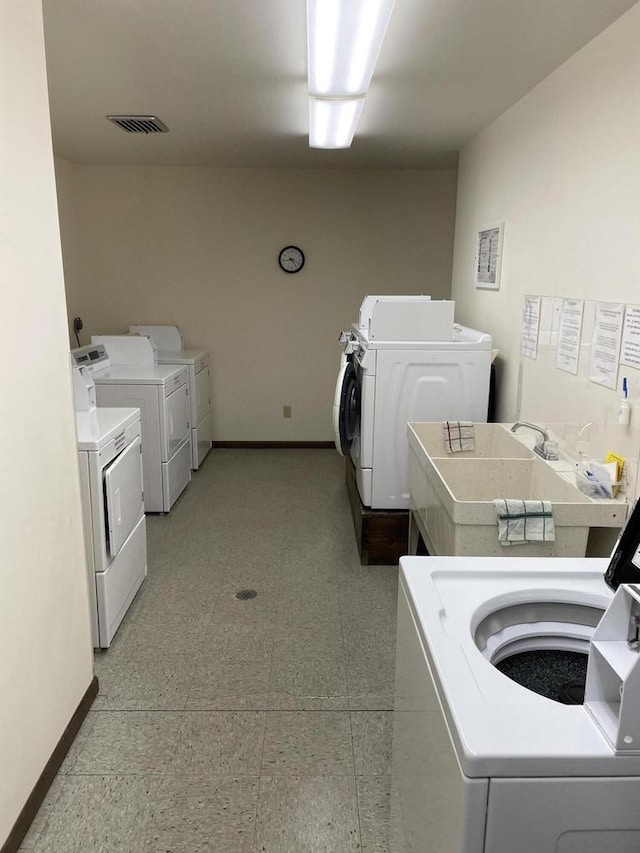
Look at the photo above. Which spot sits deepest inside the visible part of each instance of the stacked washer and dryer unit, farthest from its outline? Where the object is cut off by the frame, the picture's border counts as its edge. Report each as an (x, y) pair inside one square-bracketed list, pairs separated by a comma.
[(110, 463), (405, 360)]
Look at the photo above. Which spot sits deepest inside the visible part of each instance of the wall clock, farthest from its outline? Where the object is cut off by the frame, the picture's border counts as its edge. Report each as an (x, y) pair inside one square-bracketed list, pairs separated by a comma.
[(291, 259)]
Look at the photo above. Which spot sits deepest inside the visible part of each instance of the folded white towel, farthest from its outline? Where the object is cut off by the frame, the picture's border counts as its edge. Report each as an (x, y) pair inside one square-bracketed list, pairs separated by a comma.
[(524, 521), (458, 435)]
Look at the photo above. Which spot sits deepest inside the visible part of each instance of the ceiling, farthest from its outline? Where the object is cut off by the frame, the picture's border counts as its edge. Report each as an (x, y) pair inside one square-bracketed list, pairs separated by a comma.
[(228, 77)]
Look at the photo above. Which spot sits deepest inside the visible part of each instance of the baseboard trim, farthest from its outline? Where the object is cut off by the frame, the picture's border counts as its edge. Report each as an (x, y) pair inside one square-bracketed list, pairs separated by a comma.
[(39, 792), (274, 445)]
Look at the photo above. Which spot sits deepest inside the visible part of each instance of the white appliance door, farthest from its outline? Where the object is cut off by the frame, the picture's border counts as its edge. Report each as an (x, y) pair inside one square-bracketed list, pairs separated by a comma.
[(117, 586), (564, 815), (202, 395), (177, 409), (176, 475), (201, 441), (123, 495), (336, 403)]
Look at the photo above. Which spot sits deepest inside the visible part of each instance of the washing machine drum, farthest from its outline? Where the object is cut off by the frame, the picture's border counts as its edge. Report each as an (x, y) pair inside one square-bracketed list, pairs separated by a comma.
[(542, 645), (346, 408)]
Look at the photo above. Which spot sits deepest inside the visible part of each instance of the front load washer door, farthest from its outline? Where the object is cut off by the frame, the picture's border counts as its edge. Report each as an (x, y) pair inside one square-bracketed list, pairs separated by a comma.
[(346, 407)]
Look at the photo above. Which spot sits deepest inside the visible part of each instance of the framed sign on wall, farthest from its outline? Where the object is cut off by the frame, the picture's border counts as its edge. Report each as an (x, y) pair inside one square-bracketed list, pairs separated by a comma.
[(489, 256)]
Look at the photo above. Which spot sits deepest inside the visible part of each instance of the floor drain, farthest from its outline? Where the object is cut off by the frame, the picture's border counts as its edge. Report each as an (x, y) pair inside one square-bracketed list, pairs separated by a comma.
[(246, 594)]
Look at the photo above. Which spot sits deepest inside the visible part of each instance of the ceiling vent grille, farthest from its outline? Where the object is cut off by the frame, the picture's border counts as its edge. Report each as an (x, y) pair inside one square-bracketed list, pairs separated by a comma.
[(139, 124)]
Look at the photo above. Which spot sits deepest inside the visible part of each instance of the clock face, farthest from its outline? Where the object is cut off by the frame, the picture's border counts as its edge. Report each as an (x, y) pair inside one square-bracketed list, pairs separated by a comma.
[(291, 259)]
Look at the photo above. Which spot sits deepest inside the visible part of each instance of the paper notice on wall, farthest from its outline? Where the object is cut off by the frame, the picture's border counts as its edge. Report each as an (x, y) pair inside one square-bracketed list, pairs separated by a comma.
[(630, 352), (605, 344), (568, 346), (530, 326), (489, 256)]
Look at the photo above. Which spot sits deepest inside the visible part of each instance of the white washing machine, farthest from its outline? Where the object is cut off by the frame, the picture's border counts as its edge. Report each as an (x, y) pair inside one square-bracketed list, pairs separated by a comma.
[(405, 360), (126, 374), (170, 350), (110, 457), (481, 763)]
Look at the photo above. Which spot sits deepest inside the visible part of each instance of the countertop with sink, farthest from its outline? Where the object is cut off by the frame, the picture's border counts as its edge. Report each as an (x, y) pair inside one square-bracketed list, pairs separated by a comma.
[(452, 494)]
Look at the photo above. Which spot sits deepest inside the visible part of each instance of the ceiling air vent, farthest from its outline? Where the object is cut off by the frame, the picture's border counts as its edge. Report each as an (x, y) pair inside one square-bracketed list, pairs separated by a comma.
[(139, 124)]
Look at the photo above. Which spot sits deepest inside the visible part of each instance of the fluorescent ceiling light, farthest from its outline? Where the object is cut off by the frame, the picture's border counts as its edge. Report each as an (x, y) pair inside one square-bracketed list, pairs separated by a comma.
[(332, 122), (344, 39)]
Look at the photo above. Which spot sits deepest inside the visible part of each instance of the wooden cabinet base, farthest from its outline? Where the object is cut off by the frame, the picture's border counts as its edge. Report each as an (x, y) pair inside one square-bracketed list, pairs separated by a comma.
[(381, 535)]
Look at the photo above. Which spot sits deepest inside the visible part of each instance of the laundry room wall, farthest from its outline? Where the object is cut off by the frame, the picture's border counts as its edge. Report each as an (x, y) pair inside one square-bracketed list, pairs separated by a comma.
[(561, 169), (46, 663), (198, 247), (69, 236)]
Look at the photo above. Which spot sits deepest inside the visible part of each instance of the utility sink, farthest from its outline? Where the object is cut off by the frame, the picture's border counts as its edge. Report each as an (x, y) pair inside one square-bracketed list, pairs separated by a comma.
[(452, 495), (492, 441)]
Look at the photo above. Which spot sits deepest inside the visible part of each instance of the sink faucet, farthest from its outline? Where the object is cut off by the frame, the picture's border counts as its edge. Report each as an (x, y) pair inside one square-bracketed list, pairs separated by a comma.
[(540, 445)]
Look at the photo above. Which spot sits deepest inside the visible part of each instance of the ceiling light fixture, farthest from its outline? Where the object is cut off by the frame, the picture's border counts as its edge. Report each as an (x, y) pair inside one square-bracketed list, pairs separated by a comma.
[(344, 38), (333, 121)]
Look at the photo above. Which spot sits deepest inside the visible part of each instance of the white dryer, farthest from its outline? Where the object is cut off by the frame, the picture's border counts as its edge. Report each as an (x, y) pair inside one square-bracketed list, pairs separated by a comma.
[(125, 373), (486, 763), (404, 360), (110, 458), (168, 341)]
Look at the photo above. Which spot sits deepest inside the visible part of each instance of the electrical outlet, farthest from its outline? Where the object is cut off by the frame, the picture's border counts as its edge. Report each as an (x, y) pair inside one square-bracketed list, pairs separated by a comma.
[(286, 411)]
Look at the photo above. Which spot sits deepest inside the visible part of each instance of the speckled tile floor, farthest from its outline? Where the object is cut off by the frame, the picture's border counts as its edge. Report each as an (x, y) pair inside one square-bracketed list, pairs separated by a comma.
[(259, 726)]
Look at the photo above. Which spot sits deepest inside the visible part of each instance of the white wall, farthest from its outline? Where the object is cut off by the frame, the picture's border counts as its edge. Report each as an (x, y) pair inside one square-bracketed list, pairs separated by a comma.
[(562, 169), (45, 643), (68, 231), (198, 247)]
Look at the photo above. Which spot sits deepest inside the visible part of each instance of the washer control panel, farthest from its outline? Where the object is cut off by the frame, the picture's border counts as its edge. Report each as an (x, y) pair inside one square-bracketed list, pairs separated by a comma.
[(93, 357)]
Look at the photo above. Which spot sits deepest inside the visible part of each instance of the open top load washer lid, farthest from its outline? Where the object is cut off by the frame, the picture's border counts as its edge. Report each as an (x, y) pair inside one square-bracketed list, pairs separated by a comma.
[(498, 727)]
